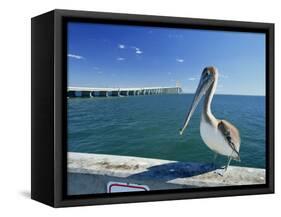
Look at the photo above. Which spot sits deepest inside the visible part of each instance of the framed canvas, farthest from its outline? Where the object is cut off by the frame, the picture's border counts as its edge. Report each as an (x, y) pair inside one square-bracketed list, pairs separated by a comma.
[(131, 108)]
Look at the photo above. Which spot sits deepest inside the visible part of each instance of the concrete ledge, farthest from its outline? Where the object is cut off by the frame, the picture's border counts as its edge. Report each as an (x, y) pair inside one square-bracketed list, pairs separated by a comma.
[(90, 173)]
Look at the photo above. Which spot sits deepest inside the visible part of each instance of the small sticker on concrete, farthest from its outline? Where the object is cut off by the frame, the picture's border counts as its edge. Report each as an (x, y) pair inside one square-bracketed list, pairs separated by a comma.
[(114, 187)]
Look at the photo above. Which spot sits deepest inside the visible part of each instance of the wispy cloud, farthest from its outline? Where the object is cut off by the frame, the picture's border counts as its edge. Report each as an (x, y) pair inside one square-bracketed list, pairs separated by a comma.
[(180, 60), (121, 46), (100, 72), (95, 68), (120, 58), (191, 79), (223, 75), (169, 73), (75, 56), (137, 50)]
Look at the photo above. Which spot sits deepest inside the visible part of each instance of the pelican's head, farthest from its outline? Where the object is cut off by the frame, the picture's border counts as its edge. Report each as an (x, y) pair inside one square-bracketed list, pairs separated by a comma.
[(208, 77)]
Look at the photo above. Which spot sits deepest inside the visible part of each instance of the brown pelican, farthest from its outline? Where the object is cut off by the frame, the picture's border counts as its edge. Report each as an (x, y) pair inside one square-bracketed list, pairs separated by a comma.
[(219, 135)]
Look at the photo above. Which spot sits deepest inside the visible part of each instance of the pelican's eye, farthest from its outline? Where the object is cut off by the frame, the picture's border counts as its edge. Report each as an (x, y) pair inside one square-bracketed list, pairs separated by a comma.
[(206, 74)]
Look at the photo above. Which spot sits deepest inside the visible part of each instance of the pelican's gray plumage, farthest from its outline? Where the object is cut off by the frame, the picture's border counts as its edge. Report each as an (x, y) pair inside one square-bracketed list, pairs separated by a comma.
[(219, 135)]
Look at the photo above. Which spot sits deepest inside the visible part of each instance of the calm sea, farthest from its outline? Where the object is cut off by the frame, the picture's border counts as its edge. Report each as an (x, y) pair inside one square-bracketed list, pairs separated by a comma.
[(148, 126)]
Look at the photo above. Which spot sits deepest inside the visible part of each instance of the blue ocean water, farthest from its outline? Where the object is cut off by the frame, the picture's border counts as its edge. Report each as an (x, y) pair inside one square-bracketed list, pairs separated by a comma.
[(148, 126)]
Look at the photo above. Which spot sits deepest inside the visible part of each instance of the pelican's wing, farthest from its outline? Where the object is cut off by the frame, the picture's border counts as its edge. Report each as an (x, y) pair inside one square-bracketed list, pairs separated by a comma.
[(231, 135)]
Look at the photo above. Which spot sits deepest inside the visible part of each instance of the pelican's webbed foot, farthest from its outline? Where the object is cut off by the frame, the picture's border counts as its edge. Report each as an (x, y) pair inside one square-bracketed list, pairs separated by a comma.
[(220, 171)]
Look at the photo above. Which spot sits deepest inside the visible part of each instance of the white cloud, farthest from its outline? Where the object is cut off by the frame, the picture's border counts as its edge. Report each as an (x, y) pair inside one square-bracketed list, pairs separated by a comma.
[(120, 58), (180, 60), (191, 79), (75, 56), (99, 72), (169, 73), (137, 50), (121, 46), (95, 67)]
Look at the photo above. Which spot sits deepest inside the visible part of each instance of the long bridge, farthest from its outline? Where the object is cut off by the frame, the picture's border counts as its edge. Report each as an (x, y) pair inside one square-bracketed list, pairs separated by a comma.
[(104, 92)]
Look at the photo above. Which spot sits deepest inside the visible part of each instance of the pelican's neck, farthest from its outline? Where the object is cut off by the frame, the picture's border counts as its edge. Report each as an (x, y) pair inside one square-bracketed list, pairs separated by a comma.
[(207, 112)]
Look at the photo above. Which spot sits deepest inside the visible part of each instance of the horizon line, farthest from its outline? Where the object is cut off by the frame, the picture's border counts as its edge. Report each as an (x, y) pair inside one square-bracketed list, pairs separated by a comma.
[(232, 94)]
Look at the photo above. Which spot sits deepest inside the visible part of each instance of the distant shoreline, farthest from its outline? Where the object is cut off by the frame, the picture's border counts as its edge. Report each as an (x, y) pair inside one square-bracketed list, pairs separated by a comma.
[(226, 94)]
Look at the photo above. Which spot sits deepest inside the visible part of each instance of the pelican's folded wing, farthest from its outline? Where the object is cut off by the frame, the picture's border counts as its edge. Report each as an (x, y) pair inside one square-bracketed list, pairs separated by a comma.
[(231, 135)]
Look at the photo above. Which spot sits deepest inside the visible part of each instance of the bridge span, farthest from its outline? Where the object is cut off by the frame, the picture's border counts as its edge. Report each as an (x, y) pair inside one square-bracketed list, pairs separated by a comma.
[(104, 92)]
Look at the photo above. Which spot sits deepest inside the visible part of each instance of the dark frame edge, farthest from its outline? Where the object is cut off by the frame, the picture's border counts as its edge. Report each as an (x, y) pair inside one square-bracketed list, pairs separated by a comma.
[(59, 88), (271, 106), (162, 197), (111, 16), (42, 125)]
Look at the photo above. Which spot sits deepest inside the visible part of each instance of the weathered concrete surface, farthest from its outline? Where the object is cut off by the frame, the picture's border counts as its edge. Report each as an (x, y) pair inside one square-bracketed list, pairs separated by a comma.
[(90, 173)]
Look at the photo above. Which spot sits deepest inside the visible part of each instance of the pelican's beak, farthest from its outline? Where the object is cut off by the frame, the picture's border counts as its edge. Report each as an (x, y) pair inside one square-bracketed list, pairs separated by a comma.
[(205, 82)]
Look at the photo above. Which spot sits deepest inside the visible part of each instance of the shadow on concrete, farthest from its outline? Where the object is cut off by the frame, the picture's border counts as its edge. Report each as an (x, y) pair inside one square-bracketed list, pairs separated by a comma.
[(174, 170)]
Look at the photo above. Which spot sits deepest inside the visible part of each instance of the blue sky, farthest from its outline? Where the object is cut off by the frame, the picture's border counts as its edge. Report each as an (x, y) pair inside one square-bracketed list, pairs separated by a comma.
[(104, 55)]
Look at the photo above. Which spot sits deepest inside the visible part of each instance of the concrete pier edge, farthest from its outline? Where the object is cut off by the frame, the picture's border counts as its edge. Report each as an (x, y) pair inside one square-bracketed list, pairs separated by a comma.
[(90, 173)]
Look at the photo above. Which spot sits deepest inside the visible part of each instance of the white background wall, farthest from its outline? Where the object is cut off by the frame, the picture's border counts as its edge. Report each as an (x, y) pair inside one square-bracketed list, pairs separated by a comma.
[(15, 106)]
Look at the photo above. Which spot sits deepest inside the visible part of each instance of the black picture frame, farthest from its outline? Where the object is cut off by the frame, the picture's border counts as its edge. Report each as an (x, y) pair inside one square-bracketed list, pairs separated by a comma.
[(49, 91)]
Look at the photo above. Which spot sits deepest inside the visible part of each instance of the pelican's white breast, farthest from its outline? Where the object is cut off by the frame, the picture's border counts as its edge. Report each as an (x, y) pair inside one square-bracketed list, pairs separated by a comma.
[(214, 139)]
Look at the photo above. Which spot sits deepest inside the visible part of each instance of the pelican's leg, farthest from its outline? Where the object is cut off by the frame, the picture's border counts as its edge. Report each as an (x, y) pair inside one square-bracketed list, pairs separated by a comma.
[(229, 160), (220, 171), (223, 170)]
